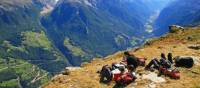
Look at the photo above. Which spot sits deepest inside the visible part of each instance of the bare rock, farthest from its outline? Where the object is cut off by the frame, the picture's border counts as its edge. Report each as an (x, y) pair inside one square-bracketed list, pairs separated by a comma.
[(195, 47), (69, 69), (66, 72)]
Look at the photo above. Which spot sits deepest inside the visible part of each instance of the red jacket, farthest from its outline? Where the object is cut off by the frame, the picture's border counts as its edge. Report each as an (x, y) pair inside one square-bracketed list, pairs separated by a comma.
[(125, 77)]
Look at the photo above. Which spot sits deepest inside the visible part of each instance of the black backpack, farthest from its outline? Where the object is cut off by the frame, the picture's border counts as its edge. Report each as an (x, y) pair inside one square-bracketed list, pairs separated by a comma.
[(187, 62)]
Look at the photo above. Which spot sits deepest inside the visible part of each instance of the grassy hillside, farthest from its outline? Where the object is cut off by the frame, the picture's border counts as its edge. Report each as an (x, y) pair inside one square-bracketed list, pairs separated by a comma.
[(17, 72), (34, 51), (25, 47), (177, 43)]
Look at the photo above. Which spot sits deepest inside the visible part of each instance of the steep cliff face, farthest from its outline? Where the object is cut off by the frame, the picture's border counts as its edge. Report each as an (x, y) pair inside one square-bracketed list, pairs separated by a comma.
[(180, 12)]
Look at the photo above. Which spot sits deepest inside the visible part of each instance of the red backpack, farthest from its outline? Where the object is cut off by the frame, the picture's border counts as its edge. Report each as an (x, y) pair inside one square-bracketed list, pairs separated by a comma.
[(125, 78)]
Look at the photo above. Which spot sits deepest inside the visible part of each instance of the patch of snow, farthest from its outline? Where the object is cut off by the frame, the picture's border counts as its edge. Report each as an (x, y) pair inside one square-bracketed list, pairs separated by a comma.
[(56, 1), (86, 2), (46, 9), (73, 68), (74, 1), (48, 6)]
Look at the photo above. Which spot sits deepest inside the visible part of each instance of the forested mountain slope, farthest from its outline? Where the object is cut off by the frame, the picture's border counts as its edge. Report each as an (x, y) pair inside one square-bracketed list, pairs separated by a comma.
[(180, 12)]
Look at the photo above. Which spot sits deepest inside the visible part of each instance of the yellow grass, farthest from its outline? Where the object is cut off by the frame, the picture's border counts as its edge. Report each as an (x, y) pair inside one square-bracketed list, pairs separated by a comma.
[(176, 43)]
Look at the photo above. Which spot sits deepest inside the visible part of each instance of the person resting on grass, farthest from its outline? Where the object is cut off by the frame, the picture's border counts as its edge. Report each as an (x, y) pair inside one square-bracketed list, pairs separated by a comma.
[(118, 73), (155, 63), (129, 59)]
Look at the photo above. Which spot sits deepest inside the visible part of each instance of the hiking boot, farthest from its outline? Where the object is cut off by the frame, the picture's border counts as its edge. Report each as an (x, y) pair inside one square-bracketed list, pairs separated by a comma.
[(159, 74), (146, 68)]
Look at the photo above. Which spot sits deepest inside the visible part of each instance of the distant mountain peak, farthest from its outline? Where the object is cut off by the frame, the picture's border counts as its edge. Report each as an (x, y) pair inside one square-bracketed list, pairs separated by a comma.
[(48, 6), (90, 3)]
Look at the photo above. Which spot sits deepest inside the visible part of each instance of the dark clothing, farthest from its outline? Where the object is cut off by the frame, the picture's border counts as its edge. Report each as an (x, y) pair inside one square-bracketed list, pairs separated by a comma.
[(162, 61), (106, 75), (170, 58), (155, 64), (132, 60), (171, 61), (165, 63)]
